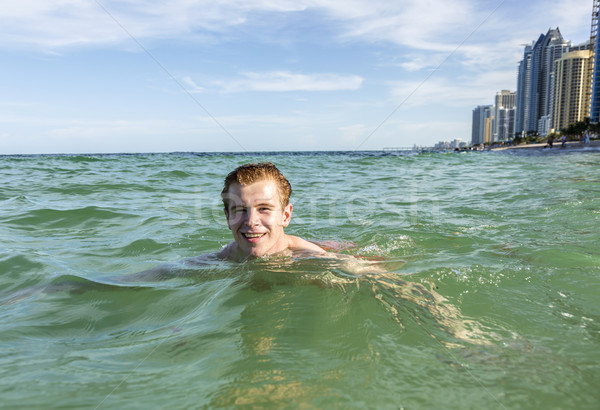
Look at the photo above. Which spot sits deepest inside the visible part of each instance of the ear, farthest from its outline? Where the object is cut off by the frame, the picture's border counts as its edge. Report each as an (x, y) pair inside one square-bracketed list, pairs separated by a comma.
[(287, 215)]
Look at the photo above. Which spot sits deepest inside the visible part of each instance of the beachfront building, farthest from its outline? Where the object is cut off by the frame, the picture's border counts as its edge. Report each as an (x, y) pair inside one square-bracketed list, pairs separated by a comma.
[(534, 84), (504, 116), (457, 143), (595, 47), (573, 75), (551, 49), (545, 126), (523, 82), (487, 130), (582, 46), (482, 124)]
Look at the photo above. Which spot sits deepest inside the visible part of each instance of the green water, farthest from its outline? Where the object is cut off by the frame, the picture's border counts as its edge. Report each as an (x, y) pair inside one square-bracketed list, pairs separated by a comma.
[(495, 307)]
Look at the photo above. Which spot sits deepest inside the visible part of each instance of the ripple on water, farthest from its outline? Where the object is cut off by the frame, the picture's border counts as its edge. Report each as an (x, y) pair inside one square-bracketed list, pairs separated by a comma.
[(65, 218), (500, 251)]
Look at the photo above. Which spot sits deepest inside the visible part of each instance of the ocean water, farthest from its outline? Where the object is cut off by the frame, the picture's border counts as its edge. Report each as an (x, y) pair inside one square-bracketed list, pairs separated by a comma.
[(480, 290)]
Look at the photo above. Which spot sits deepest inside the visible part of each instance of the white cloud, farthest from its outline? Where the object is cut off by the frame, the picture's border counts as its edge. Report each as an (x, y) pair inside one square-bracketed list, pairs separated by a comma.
[(466, 90), (568, 15), (286, 81), (425, 25), (416, 62), (193, 87), (415, 35), (57, 24)]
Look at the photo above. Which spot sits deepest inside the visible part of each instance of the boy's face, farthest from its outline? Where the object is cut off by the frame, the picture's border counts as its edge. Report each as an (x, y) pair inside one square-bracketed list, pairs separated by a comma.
[(256, 219)]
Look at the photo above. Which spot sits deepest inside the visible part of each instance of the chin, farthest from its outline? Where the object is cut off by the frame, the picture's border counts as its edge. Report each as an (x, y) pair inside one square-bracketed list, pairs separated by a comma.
[(255, 253)]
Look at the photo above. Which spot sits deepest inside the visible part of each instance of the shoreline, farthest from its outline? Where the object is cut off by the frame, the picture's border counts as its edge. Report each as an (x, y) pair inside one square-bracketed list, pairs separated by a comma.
[(542, 146)]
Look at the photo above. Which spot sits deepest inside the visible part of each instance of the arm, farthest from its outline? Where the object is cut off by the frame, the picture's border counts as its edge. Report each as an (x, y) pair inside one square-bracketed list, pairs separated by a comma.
[(168, 271), (298, 244)]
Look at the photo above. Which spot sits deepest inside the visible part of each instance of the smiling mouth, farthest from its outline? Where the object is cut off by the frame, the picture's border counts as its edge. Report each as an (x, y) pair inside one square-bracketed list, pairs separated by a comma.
[(253, 235)]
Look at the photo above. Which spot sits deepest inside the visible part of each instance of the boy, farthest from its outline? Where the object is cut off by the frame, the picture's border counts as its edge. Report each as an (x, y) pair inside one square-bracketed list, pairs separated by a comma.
[(256, 204)]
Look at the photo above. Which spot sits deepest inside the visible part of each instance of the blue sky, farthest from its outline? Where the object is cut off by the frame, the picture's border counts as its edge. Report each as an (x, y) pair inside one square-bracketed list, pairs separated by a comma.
[(90, 76)]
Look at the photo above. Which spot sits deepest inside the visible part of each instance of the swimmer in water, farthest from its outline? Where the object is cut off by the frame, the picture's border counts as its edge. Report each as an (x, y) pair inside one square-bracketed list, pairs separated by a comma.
[(257, 208), (256, 200), (256, 203)]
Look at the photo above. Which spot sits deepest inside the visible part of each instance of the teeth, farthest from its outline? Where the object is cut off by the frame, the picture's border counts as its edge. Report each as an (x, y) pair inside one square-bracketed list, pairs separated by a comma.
[(253, 235)]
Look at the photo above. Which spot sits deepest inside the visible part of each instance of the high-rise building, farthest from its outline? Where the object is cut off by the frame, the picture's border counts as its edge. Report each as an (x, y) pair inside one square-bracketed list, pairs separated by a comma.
[(504, 116), (545, 125), (487, 130), (534, 86), (544, 54), (582, 46), (482, 124), (572, 88), (523, 81), (595, 48)]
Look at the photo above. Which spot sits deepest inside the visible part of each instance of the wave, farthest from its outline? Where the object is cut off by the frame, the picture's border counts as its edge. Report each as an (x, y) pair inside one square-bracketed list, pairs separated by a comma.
[(49, 218)]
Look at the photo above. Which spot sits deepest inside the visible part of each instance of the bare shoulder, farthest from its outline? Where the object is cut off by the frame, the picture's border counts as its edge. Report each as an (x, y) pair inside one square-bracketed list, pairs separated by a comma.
[(226, 253), (205, 258), (298, 244)]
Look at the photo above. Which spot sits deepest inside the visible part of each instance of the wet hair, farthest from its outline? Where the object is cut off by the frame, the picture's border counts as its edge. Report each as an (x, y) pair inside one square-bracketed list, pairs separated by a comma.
[(250, 173)]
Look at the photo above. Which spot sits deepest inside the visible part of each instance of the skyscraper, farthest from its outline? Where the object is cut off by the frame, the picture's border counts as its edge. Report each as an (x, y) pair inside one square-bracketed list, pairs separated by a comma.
[(595, 44), (504, 116), (572, 88), (534, 86), (523, 80), (482, 124)]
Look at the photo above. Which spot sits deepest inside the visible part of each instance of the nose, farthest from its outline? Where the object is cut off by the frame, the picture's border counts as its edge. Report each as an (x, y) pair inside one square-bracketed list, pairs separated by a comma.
[(253, 218)]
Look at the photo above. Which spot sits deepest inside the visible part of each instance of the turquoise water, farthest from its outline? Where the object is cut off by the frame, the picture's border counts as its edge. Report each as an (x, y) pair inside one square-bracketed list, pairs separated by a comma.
[(491, 300)]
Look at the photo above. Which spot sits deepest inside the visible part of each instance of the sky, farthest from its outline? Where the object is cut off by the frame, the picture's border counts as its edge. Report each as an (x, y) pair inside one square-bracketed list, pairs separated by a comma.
[(112, 76)]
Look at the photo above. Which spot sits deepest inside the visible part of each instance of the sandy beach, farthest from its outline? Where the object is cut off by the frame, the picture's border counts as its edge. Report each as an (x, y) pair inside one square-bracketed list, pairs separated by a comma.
[(557, 145)]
